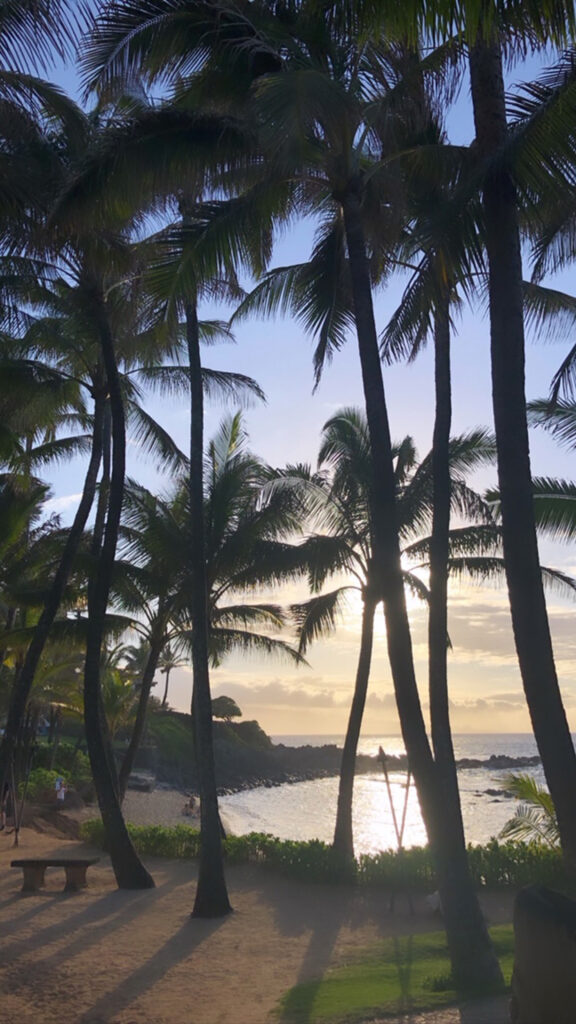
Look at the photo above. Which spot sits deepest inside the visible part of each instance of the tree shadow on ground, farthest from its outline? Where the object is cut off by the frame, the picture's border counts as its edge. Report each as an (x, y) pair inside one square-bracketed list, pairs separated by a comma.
[(191, 935), (113, 910), (318, 958)]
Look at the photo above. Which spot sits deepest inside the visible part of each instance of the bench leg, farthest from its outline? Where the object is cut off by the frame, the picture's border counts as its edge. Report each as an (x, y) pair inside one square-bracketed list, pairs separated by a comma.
[(75, 877), (33, 878)]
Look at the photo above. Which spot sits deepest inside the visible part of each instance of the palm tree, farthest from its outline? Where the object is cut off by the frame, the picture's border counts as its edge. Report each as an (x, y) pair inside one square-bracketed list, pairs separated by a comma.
[(245, 550), (317, 103), (535, 818), (169, 660), (339, 503), (487, 35)]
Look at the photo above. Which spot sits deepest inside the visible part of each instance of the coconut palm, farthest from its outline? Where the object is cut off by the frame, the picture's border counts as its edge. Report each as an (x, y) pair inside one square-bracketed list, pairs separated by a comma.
[(339, 503), (101, 287), (245, 549), (169, 660), (487, 32), (321, 125)]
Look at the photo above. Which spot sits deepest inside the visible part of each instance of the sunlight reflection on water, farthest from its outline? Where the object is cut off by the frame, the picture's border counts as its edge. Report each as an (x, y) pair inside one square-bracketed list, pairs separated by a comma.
[(307, 810)]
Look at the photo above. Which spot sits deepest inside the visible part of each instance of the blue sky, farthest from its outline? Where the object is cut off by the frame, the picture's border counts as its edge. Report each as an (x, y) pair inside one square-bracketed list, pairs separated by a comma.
[(485, 682)]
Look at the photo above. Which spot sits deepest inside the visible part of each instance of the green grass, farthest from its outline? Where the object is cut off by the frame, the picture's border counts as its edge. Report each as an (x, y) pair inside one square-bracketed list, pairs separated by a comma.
[(410, 973)]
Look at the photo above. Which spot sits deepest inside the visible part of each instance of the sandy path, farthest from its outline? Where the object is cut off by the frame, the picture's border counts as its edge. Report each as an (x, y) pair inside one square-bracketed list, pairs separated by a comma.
[(108, 957)]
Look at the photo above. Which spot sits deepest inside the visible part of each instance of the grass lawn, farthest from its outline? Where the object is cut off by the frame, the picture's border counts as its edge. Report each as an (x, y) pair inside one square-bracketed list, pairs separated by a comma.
[(396, 975)]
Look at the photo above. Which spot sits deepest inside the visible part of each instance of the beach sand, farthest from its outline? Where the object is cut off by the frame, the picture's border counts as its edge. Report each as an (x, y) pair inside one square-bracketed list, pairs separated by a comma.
[(160, 807), (104, 956)]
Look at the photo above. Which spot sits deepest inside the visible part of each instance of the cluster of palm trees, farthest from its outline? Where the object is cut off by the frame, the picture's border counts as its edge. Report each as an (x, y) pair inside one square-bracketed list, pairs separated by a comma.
[(211, 126)]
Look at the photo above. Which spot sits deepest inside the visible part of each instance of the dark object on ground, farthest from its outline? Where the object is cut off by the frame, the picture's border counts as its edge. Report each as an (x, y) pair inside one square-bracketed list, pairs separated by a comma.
[(34, 871), (143, 781), (544, 976)]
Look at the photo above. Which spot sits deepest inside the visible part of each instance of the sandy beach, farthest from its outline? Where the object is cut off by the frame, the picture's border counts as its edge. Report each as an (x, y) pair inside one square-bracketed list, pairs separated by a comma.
[(103, 956), (160, 807)]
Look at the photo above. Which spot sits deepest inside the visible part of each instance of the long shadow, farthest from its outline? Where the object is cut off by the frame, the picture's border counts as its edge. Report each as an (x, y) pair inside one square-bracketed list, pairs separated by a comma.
[(403, 955), (123, 916), (114, 910), (493, 1011), (191, 935), (38, 907), (317, 959)]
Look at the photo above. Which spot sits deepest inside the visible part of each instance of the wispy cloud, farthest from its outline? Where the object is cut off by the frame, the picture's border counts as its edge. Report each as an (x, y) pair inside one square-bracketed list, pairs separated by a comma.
[(64, 503)]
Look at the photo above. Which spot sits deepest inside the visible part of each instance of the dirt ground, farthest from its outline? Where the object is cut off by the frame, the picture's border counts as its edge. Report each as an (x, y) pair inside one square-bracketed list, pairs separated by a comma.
[(103, 956)]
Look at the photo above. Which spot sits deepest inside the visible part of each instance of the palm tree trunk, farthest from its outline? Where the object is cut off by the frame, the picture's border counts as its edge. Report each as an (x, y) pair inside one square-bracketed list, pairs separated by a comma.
[(468, 972), (129, 871), (470, 944), (165, 697), (24, 680), (343, 832), (389, 581), (211, 894), (140, 722), (103, 491), (526, 593)]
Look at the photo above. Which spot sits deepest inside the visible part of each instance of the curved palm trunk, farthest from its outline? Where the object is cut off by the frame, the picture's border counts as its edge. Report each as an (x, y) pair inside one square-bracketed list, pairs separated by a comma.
[(211, 894), (387, 566), (468, 973), (343, 832), (140, 722), (526, 593), (129, 871), (470, 944), (25, 678)]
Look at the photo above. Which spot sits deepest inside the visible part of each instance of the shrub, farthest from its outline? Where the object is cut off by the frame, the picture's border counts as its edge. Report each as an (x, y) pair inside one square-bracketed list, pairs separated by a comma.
[(178, 841), (517, 864), (41, 785), (69, 762), (495, 864)]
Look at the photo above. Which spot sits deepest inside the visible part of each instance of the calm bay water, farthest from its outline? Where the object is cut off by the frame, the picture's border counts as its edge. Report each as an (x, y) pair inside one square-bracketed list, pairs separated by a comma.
[(307, 810)]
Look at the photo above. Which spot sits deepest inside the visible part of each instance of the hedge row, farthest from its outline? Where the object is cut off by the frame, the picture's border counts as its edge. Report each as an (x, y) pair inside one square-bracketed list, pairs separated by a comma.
[(495, 864)]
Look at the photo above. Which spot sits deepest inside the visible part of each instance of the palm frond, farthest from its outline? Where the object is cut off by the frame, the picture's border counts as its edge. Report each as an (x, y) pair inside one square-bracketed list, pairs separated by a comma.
[(154, 439), (558, 418), (226, 641), (317, 617)]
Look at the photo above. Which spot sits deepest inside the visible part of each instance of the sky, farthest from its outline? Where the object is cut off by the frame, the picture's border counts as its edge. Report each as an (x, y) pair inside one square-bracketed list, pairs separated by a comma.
[(485, 686)]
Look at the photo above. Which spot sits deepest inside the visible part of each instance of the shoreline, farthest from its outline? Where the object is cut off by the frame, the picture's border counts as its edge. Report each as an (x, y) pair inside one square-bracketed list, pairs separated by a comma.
[(365, 764)]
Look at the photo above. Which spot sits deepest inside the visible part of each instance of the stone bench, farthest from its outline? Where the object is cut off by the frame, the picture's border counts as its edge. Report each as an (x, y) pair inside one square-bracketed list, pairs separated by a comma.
[(35, 869)]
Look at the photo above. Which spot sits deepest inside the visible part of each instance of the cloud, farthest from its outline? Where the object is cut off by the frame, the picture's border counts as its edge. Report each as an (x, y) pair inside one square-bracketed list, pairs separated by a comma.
[(61, 504), (277, 694), (385, 702)]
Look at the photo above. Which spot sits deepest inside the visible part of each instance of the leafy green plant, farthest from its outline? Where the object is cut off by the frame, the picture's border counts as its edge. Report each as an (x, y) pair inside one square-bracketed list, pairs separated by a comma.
[(516, 863), (535, 818), (494, 864), (70, 762), (41, 784)]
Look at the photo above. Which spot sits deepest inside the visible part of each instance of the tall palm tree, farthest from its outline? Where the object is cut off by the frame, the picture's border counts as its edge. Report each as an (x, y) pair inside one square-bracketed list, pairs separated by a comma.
[(322, 108), (245, 549), (527, 602), (489, 31), (169, 660), (339, 503)]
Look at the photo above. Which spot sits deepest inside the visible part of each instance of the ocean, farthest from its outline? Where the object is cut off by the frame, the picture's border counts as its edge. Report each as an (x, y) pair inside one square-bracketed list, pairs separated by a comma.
[(306, 810)]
